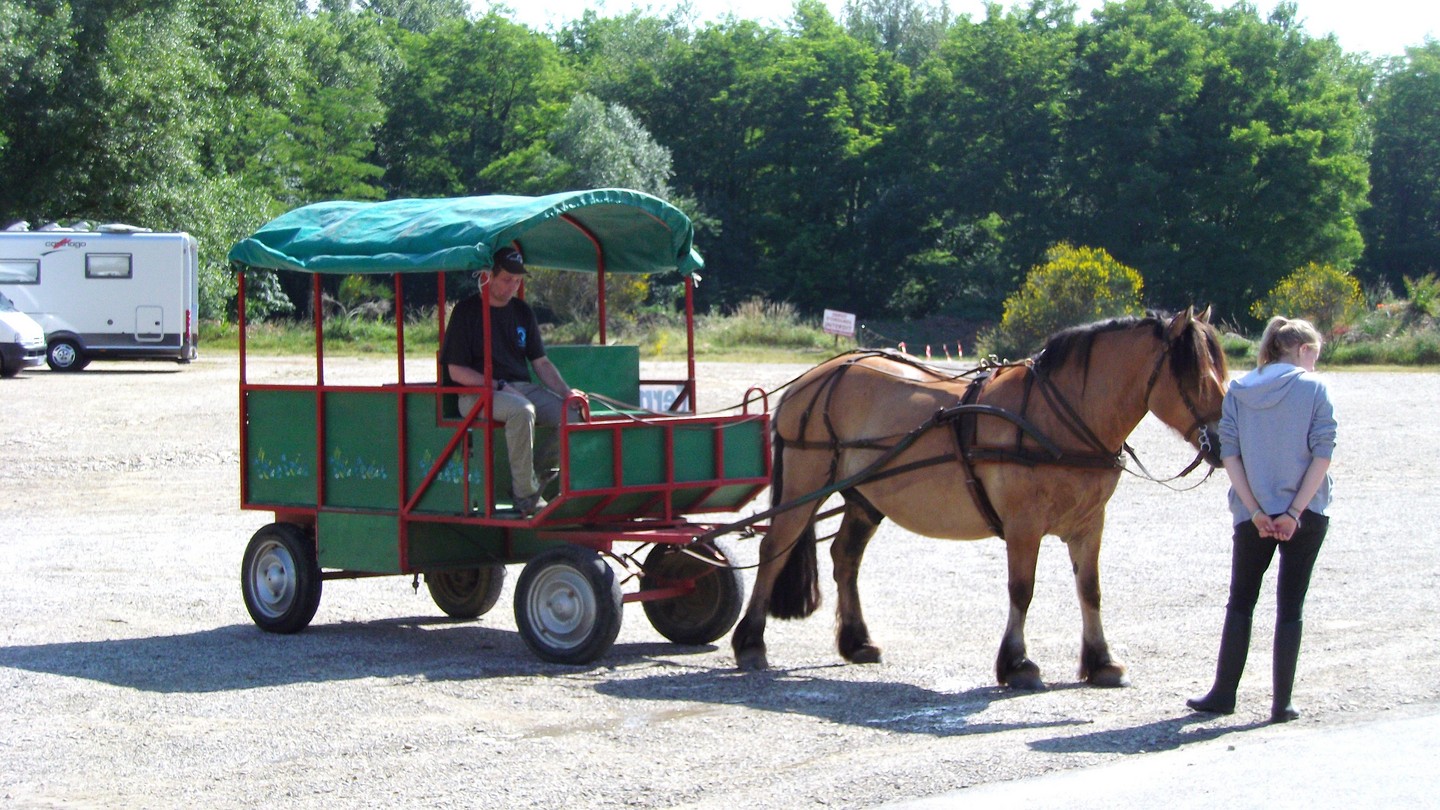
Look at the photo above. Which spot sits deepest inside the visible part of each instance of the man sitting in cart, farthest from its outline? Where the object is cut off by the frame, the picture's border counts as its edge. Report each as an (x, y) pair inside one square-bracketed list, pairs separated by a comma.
[(519, 403)]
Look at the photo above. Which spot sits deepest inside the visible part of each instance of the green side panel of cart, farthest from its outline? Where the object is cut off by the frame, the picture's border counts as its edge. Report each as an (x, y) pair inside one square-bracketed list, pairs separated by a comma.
[(425, 446), (438, 546), (355, 541), (744, 444), (280, 464), (610, 371), (643, 464), (361, 450)]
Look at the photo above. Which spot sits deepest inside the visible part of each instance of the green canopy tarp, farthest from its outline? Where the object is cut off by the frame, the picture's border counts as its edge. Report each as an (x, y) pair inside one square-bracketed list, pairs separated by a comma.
[(636, 232)]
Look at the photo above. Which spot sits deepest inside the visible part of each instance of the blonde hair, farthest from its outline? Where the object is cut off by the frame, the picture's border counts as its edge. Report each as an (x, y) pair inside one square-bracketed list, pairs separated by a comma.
[(1286, 335)]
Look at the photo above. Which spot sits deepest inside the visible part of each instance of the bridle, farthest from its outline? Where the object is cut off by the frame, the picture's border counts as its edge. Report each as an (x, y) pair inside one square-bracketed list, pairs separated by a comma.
[(1204, 440)]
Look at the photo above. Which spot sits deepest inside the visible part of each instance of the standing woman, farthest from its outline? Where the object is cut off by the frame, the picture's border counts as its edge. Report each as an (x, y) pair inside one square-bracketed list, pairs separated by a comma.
[(1277, 433)]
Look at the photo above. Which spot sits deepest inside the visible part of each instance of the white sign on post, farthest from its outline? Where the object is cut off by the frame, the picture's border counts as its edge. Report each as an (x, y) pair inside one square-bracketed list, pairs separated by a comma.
[(659, 398), (839, 323)]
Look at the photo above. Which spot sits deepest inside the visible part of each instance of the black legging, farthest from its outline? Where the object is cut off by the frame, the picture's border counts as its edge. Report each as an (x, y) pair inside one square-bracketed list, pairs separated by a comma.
[(1251, 557)]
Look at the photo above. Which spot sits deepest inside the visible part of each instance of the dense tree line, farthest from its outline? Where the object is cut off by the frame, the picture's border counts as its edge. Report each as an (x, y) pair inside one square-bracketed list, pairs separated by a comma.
[(896, 161)]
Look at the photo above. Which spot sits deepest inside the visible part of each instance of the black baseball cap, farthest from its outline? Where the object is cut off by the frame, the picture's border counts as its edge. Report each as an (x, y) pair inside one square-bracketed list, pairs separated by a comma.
[(509, 260)]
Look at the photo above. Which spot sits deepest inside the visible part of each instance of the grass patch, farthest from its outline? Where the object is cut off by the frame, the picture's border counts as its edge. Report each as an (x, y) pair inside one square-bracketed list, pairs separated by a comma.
[(343, 337)]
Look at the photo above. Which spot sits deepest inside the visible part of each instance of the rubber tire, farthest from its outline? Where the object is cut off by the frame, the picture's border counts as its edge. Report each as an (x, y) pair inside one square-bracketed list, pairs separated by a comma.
[(466, 593), (65, 355), (280, 578), (568, 605), (8, 371), (703, 615)]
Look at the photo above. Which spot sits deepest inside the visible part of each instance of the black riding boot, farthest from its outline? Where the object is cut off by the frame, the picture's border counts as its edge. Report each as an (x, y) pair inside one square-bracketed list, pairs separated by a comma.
[(1287, 653), (1234, 646)]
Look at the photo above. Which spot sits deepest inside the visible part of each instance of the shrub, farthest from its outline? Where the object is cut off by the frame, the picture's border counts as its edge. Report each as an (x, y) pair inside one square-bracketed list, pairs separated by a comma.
[(1237, 347), (1074, 286), (1422, 294), (1321, 293), (762, 323), (570, 296)]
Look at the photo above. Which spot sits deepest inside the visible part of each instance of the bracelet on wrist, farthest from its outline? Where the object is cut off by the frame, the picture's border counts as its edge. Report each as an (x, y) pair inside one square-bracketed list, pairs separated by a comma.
[(1293, 513), (1256, 512)]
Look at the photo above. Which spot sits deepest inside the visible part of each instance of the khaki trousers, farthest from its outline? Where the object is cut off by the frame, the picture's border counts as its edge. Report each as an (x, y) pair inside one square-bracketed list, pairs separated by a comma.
[(521, 406)]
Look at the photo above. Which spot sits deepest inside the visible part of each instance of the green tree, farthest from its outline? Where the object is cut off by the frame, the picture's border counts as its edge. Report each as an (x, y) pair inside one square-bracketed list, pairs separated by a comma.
[(101, 121), (595, 146), (420, 16), (1403, 228), (329, 140), (623, 59), (910, 30), (985, 124), (708, 114), (822, 107), (1214, 149), (469, 94)]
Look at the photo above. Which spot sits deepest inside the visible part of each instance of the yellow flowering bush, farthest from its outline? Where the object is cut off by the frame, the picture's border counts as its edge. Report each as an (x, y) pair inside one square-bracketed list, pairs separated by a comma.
[(1075, 285), (1323, 294)]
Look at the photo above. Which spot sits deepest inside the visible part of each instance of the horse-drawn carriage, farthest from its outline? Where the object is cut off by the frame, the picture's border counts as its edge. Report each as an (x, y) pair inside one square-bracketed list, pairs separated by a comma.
[(382, 479), (390, 477)]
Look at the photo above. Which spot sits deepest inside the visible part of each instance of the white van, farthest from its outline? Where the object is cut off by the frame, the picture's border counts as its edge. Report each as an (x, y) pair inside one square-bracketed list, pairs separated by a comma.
[(114, 293), (22, 341)]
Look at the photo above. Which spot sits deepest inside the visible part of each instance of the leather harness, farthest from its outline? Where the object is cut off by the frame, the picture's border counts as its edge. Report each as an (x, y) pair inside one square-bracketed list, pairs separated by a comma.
[(963, 417)]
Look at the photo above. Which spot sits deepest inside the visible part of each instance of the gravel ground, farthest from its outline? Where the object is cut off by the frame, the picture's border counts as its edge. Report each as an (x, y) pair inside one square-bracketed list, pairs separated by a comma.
[(133, 677)]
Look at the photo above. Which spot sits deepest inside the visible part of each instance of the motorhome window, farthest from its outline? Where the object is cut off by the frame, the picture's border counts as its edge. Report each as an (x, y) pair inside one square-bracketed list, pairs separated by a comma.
[(107, 265), (19, 271)]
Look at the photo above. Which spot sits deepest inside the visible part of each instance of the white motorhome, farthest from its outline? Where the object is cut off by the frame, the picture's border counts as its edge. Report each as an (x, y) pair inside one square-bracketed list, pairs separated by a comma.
[(114, 293)]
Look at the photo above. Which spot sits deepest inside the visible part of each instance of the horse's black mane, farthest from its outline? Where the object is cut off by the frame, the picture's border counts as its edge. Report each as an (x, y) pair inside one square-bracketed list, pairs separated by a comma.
[(1079, 340), (1194, 350)]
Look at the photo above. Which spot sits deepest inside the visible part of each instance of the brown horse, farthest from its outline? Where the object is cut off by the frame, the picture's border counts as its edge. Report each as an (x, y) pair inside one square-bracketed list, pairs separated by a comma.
[(1035, 450)]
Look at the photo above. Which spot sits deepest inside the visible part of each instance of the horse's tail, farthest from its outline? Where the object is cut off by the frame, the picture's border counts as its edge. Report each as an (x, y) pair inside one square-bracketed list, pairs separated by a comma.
[(797, 589)]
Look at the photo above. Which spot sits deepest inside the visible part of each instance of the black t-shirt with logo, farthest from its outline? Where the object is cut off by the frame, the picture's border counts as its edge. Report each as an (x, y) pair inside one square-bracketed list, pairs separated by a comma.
[(514, 334)]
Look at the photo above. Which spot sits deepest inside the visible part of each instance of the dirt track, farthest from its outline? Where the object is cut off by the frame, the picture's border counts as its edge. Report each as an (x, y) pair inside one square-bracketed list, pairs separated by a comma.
[(132, 675)]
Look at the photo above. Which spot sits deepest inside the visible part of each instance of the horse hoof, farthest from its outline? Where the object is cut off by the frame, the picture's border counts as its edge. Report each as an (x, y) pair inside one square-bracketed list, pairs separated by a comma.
[(751, 660), (864, 654), (1027, 682), (1110, 676), (1024, 675)]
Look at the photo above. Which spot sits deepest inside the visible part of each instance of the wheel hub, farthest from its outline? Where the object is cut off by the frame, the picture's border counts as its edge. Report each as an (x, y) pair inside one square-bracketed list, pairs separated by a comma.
[(274, 581)]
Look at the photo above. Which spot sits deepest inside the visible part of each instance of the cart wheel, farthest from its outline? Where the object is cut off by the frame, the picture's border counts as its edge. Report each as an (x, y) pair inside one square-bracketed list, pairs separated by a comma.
[(567, 605), (65, 355), (280, 578), (466, 593), (704, 614)]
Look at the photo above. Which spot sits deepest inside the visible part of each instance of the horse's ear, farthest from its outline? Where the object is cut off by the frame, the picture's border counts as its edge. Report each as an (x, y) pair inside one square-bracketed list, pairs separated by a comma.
[(1179, 324), (1204, 317)]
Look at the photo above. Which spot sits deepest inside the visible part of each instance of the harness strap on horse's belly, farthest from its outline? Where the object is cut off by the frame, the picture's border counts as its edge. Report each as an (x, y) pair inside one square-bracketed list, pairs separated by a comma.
[(964, 433)]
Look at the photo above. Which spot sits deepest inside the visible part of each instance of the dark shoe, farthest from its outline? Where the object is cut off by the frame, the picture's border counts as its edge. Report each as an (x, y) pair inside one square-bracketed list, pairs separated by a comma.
[(1234, 647), (530, 504), (1287, 654), (1213, 703)]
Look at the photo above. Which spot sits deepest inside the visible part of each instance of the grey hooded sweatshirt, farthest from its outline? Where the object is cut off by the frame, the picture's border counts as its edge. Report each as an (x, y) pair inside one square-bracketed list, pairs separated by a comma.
[(1277, 418)]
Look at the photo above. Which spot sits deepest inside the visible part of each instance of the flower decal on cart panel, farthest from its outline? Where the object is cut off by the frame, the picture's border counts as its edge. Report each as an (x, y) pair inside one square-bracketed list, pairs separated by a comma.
[(343, 467), (281, 469), (452, 473)]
